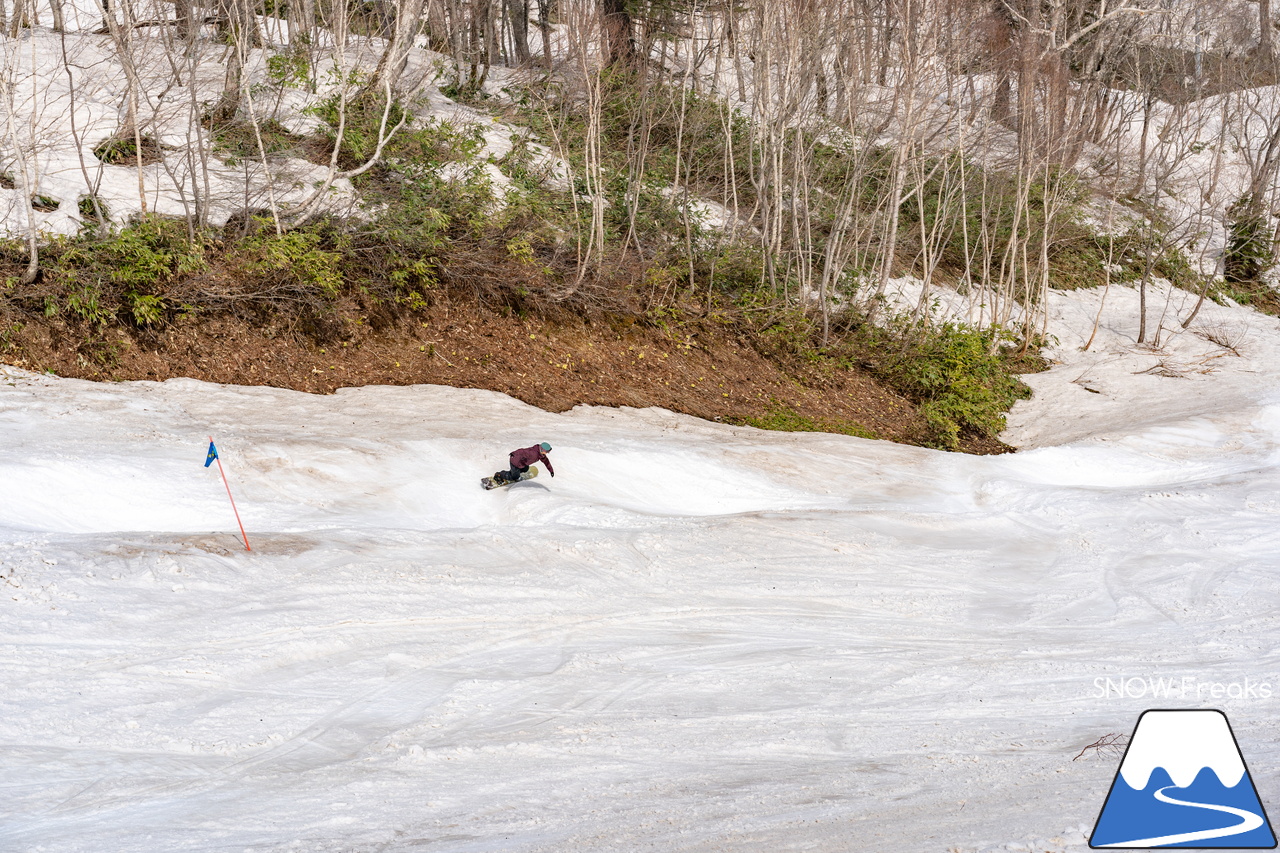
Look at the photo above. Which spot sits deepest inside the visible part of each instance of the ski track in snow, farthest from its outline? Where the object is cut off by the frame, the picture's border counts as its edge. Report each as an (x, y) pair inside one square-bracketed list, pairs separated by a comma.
[(695, 638)]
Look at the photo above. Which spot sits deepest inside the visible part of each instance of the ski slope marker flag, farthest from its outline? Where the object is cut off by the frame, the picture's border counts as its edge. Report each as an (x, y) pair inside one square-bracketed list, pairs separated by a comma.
[(210, 459), (1183, 783)]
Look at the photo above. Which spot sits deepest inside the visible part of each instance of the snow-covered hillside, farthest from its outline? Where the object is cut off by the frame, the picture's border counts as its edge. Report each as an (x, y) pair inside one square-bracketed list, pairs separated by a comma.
[(695, 637)]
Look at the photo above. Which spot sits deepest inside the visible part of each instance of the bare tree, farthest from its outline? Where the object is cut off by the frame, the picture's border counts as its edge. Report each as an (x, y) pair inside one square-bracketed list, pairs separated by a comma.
[(21, 156)]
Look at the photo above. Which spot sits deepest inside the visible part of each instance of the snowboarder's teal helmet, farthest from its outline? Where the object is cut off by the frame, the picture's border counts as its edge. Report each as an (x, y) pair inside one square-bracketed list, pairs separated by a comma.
[(545, 447)]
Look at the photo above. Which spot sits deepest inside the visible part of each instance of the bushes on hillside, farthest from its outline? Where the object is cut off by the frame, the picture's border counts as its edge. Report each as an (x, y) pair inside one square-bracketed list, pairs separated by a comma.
[(961, 377), (156, 267)]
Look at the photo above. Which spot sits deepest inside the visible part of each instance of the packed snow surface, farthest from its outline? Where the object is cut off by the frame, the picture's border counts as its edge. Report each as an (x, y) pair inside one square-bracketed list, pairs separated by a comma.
[(695, 637)]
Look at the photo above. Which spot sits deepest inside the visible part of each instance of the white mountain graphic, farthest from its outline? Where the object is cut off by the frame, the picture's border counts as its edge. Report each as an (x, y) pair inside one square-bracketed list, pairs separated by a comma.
[(1183, 743)]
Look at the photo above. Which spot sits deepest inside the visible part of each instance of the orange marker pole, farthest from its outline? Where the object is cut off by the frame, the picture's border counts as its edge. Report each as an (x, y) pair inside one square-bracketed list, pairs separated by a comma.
[(218, 459)]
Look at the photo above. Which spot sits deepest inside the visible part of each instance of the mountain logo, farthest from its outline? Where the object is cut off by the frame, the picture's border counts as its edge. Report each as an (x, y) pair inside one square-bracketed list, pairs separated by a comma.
[(1183, 783)]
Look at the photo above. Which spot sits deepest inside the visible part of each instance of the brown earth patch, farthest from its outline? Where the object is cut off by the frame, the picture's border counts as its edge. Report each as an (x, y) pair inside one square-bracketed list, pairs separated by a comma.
[(704, 370)]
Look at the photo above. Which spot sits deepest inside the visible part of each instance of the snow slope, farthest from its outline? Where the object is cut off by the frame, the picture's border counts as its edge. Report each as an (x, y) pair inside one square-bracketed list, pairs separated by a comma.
[(695, 638)]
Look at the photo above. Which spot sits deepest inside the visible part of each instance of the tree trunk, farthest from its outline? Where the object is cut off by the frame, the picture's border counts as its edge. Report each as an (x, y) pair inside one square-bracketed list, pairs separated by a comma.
[(1266, 45), (545, 9), (518, 14), (184, 16), (619, 32), (1002, 46), (229, 101), (406, 20)]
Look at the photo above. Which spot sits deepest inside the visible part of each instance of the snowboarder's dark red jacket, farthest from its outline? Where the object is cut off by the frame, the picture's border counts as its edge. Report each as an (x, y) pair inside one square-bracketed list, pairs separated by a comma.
[(526, 456)]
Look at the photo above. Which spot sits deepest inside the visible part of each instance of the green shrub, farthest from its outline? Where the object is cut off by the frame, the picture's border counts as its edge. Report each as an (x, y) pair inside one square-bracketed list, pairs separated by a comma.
[(434, 142), (90, 206), (363, 123), (958, 375), (737, 267), (95, 276), (418, 214), (147, 310), (1249, 252), (123, 151), (291, 264), (237, 140), (783, 418), (291, 69), (84, 300), (154, 266), (150, 251), (413, 202)]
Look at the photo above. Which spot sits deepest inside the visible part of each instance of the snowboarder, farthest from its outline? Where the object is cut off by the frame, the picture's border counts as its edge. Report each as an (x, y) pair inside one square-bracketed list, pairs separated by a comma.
[(521, 460)]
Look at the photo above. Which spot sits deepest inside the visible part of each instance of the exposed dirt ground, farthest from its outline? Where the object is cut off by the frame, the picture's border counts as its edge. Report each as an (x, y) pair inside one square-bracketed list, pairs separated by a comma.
[(709, 373)]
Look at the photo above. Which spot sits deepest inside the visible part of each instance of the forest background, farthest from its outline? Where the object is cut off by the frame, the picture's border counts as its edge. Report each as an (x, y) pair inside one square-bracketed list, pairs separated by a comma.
[(755, 212)]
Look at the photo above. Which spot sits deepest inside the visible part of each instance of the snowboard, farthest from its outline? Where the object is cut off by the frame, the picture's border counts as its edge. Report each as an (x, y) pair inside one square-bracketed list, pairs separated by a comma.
[(494, 483)]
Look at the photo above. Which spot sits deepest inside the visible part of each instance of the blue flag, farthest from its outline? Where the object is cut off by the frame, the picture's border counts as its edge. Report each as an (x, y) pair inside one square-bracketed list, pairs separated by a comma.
[(213, 454)]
